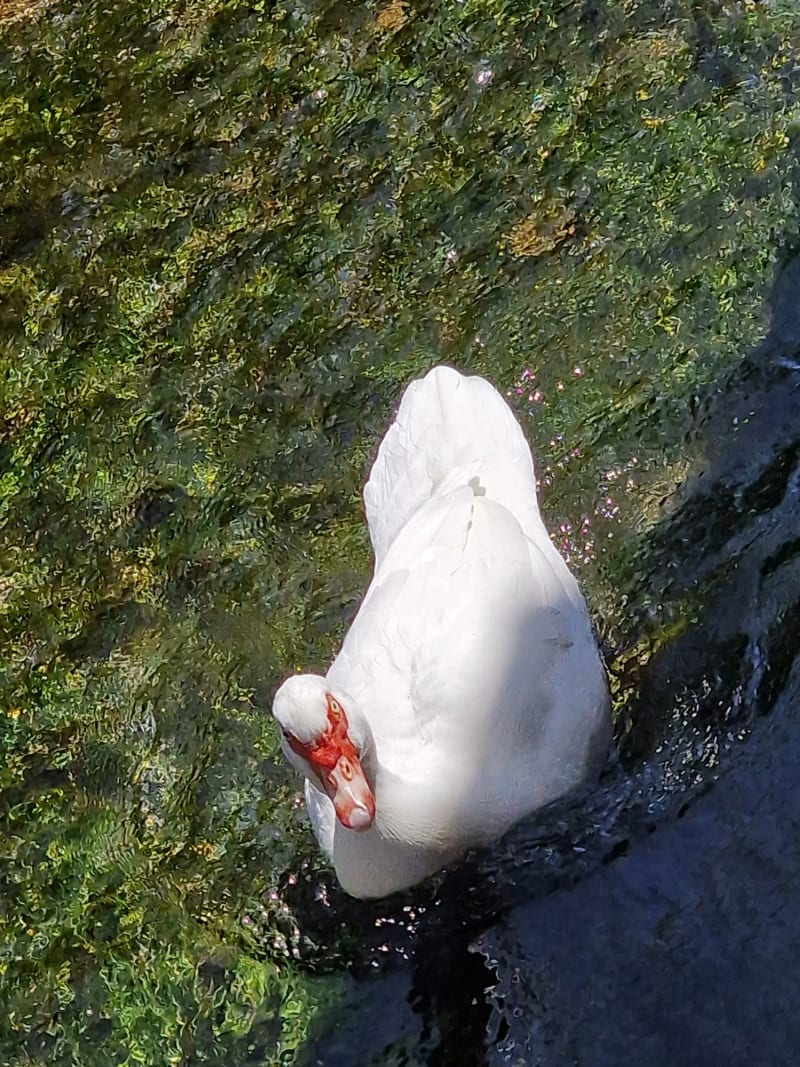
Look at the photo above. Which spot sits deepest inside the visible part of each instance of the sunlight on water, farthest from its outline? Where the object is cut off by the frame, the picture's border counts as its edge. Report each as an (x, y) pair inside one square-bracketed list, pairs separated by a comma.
[(230, 233)]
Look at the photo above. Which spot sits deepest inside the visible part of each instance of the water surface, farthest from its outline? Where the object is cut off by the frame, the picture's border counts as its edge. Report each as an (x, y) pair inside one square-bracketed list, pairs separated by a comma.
[(229, 234)]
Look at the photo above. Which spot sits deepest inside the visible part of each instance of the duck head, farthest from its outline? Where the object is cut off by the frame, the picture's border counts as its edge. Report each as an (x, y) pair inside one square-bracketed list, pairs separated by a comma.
[(329, 741)]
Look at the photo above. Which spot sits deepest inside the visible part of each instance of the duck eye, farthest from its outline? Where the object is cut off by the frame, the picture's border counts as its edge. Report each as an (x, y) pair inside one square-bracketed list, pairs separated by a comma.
[(335, 706), (286, 733)]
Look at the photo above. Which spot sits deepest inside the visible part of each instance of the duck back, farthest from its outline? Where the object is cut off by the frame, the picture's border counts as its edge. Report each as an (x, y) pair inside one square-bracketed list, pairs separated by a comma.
[(450, 431)]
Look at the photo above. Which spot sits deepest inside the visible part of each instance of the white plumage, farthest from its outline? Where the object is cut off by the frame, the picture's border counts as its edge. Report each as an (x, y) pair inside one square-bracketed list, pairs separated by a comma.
[(470, 680)]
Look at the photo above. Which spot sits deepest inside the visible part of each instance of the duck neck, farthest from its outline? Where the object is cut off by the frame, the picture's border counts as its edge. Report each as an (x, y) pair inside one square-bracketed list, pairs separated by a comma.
[(419, 812), (403, 846)]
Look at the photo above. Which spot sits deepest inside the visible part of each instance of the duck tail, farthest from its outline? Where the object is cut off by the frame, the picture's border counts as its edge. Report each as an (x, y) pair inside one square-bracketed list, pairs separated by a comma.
[(450, 431)]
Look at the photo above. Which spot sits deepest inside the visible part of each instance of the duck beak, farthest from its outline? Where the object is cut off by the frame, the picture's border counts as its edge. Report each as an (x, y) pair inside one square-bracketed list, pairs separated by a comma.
[(347, 786)]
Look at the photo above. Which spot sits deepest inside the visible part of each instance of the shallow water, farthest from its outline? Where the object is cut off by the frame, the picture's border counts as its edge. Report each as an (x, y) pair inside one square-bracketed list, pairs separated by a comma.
[(228, 237)]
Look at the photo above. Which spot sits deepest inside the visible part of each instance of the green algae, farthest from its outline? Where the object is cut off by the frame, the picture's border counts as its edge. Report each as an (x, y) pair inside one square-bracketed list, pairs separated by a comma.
[(229, 234)]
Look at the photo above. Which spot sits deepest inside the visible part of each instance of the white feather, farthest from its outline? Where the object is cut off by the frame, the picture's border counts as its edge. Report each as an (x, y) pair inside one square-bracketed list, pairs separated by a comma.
[(471, 663)]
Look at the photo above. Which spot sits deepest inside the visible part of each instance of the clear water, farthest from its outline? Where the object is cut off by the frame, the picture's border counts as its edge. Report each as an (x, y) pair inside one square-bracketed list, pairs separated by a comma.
[(229, 234)]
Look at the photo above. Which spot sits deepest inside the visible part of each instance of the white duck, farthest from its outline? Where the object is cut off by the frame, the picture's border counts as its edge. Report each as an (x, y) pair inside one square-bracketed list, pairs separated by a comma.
[(469, 689)]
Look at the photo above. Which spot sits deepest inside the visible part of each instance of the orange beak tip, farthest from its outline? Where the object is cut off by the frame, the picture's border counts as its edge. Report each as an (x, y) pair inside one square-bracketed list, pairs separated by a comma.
[(353, 800)]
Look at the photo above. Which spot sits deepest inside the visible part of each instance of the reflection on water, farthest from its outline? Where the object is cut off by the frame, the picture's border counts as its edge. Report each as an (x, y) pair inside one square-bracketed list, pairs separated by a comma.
[(229, 234)]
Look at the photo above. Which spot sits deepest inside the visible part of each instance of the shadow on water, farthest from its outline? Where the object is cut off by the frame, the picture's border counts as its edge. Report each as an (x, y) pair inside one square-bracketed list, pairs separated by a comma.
[(655, 918)]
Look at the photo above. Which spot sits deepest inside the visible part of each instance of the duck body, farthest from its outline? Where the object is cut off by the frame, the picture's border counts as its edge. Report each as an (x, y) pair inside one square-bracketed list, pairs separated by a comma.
[(470, 678)]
